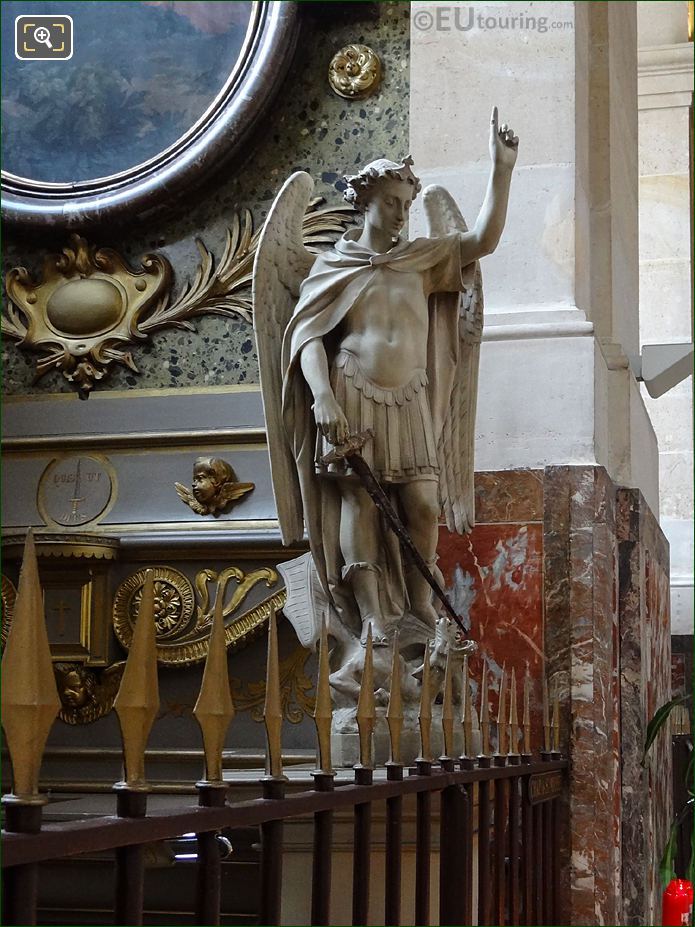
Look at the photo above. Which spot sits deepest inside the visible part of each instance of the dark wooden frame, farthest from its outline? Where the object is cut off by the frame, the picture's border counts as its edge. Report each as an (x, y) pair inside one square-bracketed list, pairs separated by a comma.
[(181, 167)]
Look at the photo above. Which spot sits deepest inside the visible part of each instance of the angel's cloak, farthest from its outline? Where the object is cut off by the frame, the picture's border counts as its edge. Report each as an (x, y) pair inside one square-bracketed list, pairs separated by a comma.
[(337, 280)]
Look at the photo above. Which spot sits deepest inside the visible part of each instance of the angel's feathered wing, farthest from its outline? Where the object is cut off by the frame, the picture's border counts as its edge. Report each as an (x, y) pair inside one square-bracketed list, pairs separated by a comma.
[(453, 362), (229, 492), (186, 496), (282, 262)]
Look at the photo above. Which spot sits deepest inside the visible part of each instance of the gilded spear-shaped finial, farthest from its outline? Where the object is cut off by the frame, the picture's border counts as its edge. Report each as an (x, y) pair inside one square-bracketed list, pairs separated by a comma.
[(394, 713), (30, 700), (502, 721), (556, 722), (546, 716), (527, 713), (137, 702), (448, 709), (513, 716), (467, 718), (214, 708), (484, 712), (323, 712), (272, 708), (425, 716), (366, 708)]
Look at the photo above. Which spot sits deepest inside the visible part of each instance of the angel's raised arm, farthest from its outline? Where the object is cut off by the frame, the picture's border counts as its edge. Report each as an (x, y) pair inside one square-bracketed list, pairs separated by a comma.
[(484, 237)]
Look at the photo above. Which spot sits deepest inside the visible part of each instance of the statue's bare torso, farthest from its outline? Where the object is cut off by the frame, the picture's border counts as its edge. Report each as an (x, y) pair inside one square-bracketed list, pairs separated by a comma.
[(386, 329)]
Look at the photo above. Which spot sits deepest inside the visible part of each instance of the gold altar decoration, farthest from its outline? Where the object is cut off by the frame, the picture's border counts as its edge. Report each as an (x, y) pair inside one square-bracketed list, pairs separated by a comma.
[(502, 717), (85, 694), (467, 713), (214, 709), (137, 701), (272, 708), (29, 697), (366, 705), (183, 615), (448, 709), (89, 309), (425, 713), (394, 712), (355, 72), (323, 707), (68, 545), (85, 311), (214, 487), (75, 589), (9, 596), (513, 717), (295, 686), (485, 711)]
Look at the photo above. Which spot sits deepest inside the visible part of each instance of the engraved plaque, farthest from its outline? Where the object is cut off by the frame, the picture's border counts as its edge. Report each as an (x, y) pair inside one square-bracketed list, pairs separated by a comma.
[(75, 491), (545, 786)]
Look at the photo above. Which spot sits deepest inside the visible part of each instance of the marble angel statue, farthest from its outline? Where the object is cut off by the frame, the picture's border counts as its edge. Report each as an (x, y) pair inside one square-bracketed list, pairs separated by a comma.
[(377, 333)]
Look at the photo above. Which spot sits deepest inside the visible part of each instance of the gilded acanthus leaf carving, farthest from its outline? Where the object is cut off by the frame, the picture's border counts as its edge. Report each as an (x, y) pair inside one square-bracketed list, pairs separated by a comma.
[(90, 308), (296, 693), (295, 686), (214, 290)]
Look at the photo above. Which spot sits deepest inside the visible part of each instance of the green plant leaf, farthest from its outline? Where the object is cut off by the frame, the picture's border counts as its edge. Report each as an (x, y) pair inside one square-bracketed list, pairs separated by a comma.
[(659, 720), (666, 870), (690, 874)]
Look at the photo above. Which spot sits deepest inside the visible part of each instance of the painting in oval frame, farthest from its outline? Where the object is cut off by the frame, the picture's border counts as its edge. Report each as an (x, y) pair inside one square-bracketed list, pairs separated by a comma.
[(157, 94)]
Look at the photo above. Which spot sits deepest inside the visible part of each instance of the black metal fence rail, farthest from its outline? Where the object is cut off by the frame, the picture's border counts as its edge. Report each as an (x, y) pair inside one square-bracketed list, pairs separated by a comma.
[(515, 815), (500, 811)]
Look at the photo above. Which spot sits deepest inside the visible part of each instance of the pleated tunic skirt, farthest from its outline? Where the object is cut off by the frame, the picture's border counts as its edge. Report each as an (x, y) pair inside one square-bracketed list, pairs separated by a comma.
[(403, 447)]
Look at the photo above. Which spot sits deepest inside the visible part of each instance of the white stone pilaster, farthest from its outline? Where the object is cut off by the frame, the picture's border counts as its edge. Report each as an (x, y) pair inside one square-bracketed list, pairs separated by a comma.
[(666, 312), (561, 289)]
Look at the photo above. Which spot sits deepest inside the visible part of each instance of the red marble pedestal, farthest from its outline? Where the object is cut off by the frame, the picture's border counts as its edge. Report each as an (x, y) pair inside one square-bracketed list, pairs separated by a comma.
[(567, 571)]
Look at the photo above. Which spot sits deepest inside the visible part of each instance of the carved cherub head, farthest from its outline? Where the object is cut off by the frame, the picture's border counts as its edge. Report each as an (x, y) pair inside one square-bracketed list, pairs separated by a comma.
[(75, 685), (86, 695), (209, 473), (213, 487)]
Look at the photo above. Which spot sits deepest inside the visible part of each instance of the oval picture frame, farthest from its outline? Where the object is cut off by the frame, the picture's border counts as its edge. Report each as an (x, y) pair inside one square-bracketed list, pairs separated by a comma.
[(146, 187)]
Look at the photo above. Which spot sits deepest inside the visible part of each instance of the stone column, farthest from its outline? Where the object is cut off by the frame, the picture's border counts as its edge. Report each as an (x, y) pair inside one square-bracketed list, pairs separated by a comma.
[(561, 289), (666, 314), (645, 685), (556, 390)]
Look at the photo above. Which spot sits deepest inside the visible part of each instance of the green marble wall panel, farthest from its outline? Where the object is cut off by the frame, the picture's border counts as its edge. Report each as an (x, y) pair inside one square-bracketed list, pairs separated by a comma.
[(308, 128)]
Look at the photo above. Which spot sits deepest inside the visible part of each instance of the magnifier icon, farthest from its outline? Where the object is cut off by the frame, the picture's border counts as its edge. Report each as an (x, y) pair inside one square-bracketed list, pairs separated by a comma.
[(42, 35)]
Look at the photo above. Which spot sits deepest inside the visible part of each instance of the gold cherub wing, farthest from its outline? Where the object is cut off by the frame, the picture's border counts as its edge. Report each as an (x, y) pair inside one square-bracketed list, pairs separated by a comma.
[(228, 492), (282, 262), (187, 497), (453, 363)]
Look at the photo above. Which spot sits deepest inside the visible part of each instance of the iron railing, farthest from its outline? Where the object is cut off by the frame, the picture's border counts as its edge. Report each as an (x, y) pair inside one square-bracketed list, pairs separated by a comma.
[(501, 813)]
